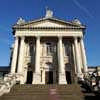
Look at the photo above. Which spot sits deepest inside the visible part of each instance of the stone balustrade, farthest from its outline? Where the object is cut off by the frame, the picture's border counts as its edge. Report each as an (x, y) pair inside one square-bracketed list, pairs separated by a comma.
[(8, 82)]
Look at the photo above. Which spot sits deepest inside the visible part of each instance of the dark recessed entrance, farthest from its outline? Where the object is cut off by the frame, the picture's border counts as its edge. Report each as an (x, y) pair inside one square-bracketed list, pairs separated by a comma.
[(29, 77), (68, 77), (49, 77)]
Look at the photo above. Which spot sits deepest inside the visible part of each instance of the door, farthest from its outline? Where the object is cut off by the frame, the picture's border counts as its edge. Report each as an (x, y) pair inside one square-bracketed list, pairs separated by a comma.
[(49, 77), (29, 77), (68, 77)]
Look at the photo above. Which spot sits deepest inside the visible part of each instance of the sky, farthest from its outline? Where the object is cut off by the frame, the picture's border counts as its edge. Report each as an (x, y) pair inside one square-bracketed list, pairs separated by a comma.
[(87, 11)]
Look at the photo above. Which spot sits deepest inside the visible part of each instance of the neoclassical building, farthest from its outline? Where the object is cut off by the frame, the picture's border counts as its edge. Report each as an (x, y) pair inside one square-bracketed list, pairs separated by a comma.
[(48, 50)]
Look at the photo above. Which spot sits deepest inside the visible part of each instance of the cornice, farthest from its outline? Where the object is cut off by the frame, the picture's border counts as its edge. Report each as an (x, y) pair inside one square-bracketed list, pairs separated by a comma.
[(45, 28)]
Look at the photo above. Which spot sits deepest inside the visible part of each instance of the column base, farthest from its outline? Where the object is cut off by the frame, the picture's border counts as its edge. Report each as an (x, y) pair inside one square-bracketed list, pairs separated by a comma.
[(62, 78), (36, 78), (80, 76), (22, 82), (85, 75), (20, 78)]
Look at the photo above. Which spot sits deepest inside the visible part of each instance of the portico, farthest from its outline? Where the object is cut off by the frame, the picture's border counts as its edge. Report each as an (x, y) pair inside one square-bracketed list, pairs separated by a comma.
[(46, 50)]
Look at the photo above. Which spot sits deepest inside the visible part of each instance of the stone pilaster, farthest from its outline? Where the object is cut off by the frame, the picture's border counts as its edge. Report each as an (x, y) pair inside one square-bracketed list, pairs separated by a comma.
[(14, 57), (37, 75), (62, 76), (77, 56), (84, 60)]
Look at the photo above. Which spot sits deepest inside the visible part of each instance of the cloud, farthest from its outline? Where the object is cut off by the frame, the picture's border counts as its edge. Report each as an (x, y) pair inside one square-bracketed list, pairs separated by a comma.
[(81, 7)]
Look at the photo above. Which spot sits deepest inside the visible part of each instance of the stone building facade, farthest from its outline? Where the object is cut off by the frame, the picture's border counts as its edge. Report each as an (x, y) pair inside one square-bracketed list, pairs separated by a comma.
[(48, 51)]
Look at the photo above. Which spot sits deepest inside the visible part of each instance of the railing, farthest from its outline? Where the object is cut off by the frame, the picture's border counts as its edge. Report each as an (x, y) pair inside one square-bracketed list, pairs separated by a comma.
[(47, 58)]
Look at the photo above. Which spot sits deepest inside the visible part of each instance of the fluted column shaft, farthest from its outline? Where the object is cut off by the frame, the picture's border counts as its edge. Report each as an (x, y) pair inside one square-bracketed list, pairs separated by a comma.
[(37, 56), (14, 57), (21, 55), (78, 65), (61, 56), (84, 60), (62, 76), (37, 74)]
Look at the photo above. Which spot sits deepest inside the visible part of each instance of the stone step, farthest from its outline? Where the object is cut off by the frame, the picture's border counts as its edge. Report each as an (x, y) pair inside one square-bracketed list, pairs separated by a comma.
[(44, 92), (26, 97), (43, 97), (44, 86), (39, 92), (33, 85)]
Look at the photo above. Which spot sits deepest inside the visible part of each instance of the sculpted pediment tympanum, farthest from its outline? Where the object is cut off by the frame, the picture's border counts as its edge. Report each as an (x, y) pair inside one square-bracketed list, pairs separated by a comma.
[(49, 23)]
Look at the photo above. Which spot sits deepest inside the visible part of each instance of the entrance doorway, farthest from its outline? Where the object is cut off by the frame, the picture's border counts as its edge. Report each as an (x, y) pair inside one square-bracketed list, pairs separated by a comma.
[(29, 77), (68, 77), (49, 77)]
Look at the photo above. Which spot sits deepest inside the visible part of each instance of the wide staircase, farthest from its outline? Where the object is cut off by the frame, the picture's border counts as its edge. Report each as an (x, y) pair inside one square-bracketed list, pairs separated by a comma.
[(44, 92)]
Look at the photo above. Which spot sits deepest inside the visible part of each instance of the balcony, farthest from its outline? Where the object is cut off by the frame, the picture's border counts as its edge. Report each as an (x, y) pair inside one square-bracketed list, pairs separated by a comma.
[(47, 58)]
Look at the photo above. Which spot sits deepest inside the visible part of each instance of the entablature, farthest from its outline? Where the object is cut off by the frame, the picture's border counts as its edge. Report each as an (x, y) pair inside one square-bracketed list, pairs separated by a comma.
[(49, 33)]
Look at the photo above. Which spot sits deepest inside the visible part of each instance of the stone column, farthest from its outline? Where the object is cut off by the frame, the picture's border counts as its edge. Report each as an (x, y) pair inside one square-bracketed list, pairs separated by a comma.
[(74, 64), (14, 57), (62, 76), (84, 60), (74, 58), (37, 74), (21, 58), (78, 65)]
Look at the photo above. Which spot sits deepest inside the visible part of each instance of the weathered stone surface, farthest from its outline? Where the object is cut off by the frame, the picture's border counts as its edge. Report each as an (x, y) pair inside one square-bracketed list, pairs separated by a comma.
[(44, 92)]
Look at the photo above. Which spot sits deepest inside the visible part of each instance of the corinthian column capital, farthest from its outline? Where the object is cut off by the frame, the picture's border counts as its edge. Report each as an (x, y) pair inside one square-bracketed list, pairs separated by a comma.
[(60, 37), (23, 37), (75, 37)]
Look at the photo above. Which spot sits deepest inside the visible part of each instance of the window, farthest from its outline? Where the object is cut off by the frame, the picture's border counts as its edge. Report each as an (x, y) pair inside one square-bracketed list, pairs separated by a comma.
[(49, 48), (31, 48), (67, 50)]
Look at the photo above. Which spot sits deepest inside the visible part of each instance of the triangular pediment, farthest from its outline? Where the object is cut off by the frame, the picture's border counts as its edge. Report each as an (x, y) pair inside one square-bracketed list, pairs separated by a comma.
[(47, 23)]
